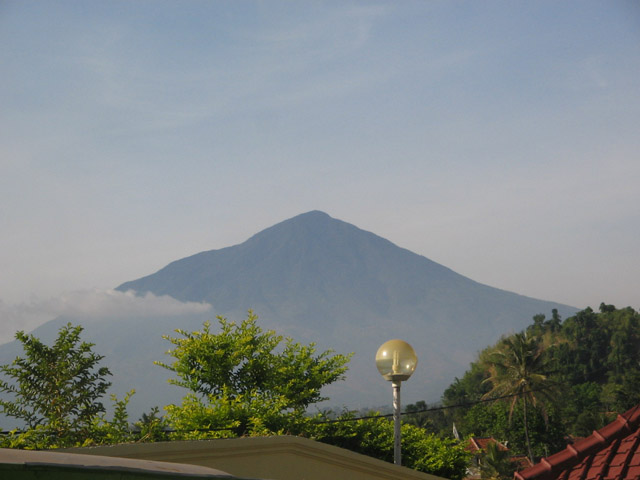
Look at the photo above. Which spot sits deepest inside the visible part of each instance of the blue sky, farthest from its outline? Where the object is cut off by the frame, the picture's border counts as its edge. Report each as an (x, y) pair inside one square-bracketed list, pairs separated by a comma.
[(500, 139)]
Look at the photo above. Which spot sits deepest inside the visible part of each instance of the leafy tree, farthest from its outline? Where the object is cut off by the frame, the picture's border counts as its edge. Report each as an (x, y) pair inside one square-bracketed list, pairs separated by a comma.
[(101, 431), (581, 408), (151, 427), (431, 418), (117, 430), (421, 450), (585, 357), (226, 416), (465, 391), (56, 389), (555, 322), (416, 415), (493, 419), (242, 377), (628, 395), (595, 359), (495, 463), (517, 369)]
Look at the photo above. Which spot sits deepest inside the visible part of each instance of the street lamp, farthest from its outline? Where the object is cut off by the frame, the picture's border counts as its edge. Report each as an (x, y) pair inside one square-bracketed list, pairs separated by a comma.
[(396, 361)]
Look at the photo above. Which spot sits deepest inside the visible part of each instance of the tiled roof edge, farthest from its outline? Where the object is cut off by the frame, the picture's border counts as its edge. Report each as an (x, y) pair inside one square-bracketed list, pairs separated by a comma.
[(553, 465)]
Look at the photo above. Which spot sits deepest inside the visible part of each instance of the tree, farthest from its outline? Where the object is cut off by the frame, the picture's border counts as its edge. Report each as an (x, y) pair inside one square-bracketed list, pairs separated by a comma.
[(493, 419), (241, 377), (495, 463), (595, 359), (589, 347), (432, 419), (416, 414), (151, 427), (517, 369), (56, 389), (421, 450)]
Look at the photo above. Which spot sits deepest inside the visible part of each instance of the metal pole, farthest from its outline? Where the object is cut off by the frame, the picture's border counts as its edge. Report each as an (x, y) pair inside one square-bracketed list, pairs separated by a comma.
[(397, 453)]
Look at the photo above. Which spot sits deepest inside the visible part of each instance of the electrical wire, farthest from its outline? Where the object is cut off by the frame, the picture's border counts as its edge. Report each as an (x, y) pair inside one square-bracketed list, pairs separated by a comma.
[(352, 419)]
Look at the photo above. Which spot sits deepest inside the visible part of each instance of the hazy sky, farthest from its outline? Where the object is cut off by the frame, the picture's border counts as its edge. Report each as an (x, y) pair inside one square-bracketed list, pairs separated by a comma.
[(501, 139)]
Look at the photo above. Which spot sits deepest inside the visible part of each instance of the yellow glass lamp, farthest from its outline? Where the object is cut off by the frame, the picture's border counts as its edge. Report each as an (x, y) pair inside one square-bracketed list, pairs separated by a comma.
[(396, 360)]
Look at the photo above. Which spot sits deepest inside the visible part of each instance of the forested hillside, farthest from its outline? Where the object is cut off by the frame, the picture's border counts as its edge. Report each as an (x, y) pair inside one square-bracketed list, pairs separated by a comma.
[(554, 380)]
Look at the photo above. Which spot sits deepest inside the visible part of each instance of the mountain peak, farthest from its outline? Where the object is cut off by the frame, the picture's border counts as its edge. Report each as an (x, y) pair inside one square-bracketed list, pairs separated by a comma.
[(314, 218), (312, 214), (319, 279)]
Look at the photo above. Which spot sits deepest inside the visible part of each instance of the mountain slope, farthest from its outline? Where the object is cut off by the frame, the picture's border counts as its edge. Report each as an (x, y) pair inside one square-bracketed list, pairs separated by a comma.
[(303, 262), (322, 280), (319, 279)]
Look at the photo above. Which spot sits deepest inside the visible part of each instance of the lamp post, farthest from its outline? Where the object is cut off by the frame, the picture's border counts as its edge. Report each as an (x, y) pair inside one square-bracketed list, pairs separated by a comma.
[(396, 361)]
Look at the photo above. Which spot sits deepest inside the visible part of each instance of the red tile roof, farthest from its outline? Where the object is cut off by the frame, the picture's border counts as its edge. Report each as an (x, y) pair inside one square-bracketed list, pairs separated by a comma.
[(611, 453), (477, 444)]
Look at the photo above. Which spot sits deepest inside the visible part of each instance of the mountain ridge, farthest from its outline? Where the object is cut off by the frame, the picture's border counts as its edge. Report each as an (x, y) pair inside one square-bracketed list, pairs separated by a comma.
[(323, 242), (318, 279), (321, 279)]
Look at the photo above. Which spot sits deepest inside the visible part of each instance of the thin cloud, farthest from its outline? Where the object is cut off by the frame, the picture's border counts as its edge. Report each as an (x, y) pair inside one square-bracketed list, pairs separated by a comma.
[(91, 304)]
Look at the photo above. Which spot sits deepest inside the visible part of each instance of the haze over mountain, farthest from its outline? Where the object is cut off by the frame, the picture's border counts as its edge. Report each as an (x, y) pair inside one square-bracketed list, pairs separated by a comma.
[(316, 279)]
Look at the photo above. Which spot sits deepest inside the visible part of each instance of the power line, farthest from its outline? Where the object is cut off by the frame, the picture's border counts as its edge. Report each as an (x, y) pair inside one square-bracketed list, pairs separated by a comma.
[(432, 409), (352, 419)]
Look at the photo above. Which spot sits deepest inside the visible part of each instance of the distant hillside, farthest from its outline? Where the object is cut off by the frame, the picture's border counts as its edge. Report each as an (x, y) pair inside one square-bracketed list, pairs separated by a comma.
[(319, 279)]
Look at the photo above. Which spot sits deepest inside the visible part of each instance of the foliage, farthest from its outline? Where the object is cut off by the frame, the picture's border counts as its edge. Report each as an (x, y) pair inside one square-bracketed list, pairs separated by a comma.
[(151, 427), (226, 416), (57, 393), (495, 463), (431, 418), (517, 369), (421, 450), (244, 380), (56, 389), (101, 432), (241, 359), (117, 430), (492, 420), (593, 358)]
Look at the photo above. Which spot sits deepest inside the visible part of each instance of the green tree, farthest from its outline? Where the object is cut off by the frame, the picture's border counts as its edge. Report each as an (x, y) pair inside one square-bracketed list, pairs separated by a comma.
[(587, 352), (431, 418), (493, 419), (517, 369), (421, 450), (56, 389), (56, 395), (245, 379), (416, 414), (495, 463), (596, 359), (151, 427)]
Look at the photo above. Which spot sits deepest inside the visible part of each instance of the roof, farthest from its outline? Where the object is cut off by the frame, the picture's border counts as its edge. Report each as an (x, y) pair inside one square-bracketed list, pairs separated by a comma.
[(478, 444), (279, 457), (611, 453), (47, 463)]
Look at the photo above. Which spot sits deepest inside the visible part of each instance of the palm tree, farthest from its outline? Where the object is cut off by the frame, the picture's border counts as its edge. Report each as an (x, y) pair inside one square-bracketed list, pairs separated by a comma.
[(517, 369)]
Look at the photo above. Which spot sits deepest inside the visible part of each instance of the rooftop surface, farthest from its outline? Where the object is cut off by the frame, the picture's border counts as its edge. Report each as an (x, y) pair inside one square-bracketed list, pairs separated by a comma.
[(56, 464), (611, 453)]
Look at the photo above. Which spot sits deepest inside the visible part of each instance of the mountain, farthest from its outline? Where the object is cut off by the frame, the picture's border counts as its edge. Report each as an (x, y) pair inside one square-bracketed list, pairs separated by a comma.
[(319, 279)]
